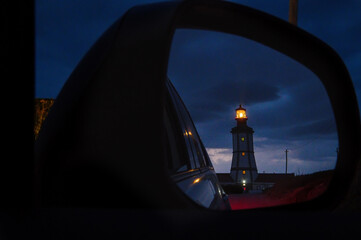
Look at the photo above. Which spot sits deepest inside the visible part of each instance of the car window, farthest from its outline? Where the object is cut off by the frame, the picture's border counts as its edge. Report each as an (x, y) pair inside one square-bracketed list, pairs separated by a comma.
[(183, 127), (176, 153), (190, 134)]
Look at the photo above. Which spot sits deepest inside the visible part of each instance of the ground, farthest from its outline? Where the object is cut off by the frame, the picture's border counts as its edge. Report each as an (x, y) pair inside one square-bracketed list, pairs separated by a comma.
[(299, 189)]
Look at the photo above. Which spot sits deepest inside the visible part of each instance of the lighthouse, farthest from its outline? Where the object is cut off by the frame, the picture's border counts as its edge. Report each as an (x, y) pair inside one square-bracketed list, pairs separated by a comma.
[(243, 169)]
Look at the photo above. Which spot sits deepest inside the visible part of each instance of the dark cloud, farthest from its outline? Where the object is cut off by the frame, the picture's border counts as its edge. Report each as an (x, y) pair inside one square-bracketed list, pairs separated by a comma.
[(318, 128), (216, 72), (249, 92), (209, 59), (216, 101)]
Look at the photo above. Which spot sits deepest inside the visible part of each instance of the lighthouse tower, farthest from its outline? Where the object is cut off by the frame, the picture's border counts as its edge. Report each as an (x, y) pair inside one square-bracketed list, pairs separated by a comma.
[(244, 169)]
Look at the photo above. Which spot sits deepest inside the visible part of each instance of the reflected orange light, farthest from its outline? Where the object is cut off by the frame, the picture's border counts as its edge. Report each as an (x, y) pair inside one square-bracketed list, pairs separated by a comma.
[(187, 133), (196, 180)]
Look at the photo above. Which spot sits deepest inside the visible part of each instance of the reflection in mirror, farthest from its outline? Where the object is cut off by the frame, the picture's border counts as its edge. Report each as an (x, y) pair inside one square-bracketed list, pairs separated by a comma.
[(265, 121)]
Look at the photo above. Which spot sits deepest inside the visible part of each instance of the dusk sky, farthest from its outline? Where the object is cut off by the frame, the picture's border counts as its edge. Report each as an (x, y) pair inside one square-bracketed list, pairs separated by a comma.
[(286, 104)]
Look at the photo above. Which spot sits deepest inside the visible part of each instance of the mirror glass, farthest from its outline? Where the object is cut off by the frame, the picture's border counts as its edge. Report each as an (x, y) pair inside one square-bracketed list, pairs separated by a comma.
[(264, 133)]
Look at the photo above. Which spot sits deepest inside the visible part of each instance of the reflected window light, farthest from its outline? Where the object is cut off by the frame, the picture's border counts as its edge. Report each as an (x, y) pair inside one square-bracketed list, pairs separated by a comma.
[(196, 180), (187, 133)]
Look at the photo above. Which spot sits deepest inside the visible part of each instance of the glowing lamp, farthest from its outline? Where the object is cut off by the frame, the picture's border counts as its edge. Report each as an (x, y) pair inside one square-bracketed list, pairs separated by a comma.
[(196, 180), (241, 113)]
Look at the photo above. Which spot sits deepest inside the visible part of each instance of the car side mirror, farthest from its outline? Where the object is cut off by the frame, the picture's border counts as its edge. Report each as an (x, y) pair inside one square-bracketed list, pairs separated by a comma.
[(103, 140)]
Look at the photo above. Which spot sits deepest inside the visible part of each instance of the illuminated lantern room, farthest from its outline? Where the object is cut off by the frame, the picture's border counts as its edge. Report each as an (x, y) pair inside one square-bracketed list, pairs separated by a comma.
[(241, 113)]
